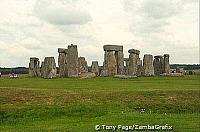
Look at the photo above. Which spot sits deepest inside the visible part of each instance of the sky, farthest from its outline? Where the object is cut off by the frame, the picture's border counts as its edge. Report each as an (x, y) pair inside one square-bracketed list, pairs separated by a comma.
[(37, 28)]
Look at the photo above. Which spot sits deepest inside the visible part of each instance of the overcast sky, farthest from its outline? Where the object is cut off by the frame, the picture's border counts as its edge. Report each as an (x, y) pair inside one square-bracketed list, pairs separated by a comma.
[(38, 27)]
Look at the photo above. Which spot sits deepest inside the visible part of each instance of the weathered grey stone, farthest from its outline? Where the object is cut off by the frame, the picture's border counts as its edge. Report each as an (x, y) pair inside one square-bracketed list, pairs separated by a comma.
[(62, 50), (158, 65), (49, 68), (134, 51), (62, 62), (72, 61), (87, 75), (126, 60), (124, 76), (113, 60), (103, 73), (34, 67), (139, 67), (113, 48), (134, 62), (148, 69), (166, 64), (110, 63), (119, 56), (83, 67), (180, 70), (42, 69), (95, 67)]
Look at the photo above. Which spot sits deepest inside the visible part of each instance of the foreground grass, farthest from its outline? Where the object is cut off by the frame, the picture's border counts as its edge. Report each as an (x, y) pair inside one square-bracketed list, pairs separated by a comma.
[(71, 104)]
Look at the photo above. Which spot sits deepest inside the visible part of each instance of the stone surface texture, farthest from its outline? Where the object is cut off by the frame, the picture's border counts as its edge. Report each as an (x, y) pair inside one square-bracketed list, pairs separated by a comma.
[(95, 68), (49, 68), (113, 60), (82, 63), (34, 67), (148, 69)]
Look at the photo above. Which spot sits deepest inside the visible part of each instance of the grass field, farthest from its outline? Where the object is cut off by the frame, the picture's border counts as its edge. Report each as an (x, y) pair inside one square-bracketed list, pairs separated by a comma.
[(73, 104)]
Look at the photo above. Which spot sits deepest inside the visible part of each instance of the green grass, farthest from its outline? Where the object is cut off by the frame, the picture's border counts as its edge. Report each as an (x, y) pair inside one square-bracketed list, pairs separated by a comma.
[(74, 104)]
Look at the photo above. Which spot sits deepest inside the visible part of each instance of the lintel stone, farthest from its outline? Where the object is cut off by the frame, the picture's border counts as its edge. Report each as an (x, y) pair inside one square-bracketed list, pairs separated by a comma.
[(134, 51), (158, 56), (166, 55), (61, 50), (33, 58), (113, 48)]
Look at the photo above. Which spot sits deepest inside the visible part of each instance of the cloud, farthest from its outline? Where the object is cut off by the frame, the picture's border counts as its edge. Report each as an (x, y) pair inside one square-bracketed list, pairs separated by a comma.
[(159, 9), (151, 16), (38, 27), (61, 13), (160, 27)]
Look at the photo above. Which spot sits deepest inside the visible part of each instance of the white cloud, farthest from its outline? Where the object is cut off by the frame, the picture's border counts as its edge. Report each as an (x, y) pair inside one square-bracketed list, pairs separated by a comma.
[(165, 27), (38, 27), (61, 12)]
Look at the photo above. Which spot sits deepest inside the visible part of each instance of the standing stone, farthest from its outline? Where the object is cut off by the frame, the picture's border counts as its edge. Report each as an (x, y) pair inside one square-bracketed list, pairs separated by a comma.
[(49, 67), (166, 64), (62, 62), (111, 63), (134, 62), (95, 67), (72, 61), (126, 60), (139, 67), (82, 63), (34, 67), (120, 62), (113, 60), (42, 69), (148, 69), (158, 65)]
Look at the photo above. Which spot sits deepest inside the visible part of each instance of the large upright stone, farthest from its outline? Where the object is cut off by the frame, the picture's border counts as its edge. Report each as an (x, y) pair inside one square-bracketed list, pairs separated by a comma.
[(126, 65), (49, 67), (158, 65), (120, 62), (139, 68), (34, 67), (95, 67), (148, 69), (62, 62), (113, 60), (134, 62), (42, 68), (82, 63), (72, 61), (166, 64), (110, 63)]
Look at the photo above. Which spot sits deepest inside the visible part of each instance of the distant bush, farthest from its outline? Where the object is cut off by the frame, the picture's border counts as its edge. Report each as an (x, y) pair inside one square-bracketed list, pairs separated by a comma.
[(185, 66), (16, 70)]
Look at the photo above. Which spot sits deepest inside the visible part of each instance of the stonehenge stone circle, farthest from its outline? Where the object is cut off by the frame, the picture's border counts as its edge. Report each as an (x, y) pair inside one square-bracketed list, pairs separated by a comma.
[(95, 67), (34, 67), (148, 69), (113, 60), (70, 65), (49, 68)]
